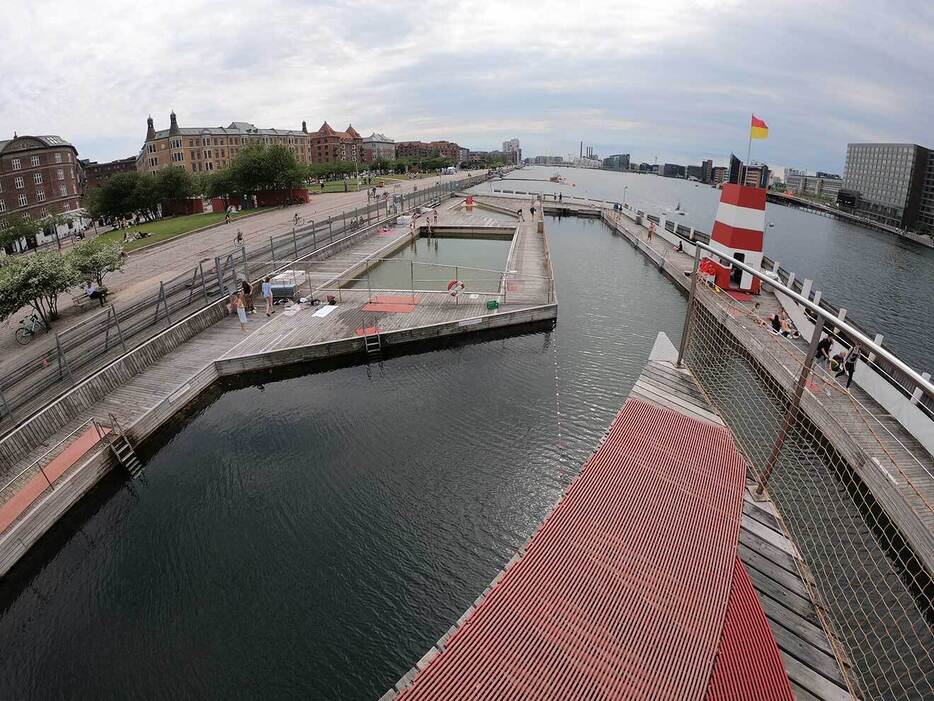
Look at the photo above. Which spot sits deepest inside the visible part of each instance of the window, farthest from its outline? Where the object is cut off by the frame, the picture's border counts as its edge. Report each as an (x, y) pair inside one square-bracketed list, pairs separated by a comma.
[(150, 148), (153, 162), (67, 208), (23, 201), (34, 160), (61, 174), (191, 155), (58, 158), (37, 178), (63, 190), (40, 194), (15, 164), (2, 206), (18, 182)]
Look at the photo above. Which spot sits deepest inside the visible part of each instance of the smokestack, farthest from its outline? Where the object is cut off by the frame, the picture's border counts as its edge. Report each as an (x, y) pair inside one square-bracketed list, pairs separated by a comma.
[(582, 149)]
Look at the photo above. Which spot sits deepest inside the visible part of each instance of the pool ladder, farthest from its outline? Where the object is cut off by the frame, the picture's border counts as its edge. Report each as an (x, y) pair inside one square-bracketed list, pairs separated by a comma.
[(123, 449), (373, 345)]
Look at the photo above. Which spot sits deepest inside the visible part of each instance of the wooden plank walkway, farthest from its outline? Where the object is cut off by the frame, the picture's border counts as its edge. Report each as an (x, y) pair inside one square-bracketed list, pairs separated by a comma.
[(147, 396), (889, 460), (777, 571)]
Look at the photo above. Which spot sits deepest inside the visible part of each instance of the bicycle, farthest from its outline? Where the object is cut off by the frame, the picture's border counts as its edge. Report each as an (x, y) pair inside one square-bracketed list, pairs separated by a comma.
[(28, 327)]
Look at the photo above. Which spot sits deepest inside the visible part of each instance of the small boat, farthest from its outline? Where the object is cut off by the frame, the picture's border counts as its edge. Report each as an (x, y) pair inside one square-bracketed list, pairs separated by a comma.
[(556, 178)]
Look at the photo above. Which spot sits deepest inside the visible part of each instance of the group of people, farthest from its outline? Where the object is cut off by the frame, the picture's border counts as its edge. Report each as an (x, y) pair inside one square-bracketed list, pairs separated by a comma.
[(840, 363), (242, 302)]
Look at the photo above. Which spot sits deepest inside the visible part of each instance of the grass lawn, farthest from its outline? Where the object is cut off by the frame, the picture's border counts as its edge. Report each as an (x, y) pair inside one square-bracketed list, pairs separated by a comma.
[(167, 228), (334, 186)]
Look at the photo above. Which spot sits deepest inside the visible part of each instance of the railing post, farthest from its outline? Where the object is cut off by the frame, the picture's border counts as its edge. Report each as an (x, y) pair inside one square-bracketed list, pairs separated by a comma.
[(294, 243), (412, 276), (916, 395), (220, 275), (246, 263), (117, 321), (314, 237), (63, 368), (6, 405), (792, 412), (689, 314), (330, 230)]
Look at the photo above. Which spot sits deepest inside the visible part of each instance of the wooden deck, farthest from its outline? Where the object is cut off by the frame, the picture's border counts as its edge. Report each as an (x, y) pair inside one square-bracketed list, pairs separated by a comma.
[(147, 399), (889, 460), (777, 571)]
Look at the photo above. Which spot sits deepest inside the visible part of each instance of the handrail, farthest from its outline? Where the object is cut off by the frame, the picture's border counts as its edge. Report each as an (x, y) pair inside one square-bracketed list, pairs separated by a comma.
[(46, 454), (867, 342)]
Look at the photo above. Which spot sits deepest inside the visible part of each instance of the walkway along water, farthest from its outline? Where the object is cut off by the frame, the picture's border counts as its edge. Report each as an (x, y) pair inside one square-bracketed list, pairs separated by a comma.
[(835, 466), (145, 387)]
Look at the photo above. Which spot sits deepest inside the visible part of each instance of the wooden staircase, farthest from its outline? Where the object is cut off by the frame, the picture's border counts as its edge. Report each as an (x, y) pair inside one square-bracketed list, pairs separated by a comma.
[(123, 449)]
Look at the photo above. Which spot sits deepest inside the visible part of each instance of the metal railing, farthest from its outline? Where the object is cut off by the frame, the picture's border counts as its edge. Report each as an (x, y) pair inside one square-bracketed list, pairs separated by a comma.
[(873, 590), (83, 348)]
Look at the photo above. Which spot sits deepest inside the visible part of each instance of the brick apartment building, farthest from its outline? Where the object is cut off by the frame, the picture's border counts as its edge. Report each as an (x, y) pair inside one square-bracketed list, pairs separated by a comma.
[(423, 149), (378, 147), (96, 173), (328, 145), (206, 149), (40, 175)]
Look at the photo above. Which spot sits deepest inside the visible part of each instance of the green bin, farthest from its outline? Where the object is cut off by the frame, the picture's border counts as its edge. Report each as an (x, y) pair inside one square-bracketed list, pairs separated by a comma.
[(492, 304)]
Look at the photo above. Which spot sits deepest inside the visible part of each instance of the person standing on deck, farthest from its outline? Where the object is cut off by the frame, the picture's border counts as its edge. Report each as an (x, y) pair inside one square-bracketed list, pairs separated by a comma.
[(241, 311), (823, 350), (267, 295), (849, 363)]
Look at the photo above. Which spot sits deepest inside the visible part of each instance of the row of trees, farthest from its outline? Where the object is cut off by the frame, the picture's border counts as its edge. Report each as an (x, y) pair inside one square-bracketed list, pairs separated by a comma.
[(37, 280), (253, 169)]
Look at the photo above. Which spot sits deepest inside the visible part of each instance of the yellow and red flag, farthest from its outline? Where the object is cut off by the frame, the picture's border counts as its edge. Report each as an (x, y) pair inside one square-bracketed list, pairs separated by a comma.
[(758, 129)]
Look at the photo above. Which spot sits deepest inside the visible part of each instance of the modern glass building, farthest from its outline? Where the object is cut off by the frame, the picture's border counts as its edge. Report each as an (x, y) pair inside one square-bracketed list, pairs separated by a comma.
[(889, 178)]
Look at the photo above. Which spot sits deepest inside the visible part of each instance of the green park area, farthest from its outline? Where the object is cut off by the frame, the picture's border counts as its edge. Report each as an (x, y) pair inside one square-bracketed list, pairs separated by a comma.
[(167, 228)]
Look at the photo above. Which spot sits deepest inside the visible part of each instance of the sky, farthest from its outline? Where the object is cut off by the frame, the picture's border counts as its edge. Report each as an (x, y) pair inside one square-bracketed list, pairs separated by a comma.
[(675, 80)]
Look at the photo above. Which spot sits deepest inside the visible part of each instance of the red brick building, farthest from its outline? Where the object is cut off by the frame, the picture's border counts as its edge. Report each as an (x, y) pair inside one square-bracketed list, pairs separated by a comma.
[(423, 149), (329, 145), (96, 173), (39, 175)]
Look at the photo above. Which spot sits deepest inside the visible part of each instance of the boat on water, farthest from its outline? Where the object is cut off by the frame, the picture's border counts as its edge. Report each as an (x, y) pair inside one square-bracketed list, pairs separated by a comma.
[(556, 178)]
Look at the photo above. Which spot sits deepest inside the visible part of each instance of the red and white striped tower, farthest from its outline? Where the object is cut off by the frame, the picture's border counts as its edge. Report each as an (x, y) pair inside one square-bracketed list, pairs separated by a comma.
[(738, 232)]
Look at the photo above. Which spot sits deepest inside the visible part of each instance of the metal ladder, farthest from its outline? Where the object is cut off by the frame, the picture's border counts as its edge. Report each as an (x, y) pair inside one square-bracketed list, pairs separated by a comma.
[(123, 449), (374, 347)]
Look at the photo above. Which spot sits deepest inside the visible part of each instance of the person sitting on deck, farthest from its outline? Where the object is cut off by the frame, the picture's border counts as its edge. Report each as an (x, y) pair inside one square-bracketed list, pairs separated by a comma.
[(94, 292), (781, 326)]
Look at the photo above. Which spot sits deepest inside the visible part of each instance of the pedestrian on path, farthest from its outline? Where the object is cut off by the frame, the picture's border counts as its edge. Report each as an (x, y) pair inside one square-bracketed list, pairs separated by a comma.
[(238, 241), (241, 311), (849, 363), (246, 290), (436, 216), (519, 214), (651, 230), (267, 295)]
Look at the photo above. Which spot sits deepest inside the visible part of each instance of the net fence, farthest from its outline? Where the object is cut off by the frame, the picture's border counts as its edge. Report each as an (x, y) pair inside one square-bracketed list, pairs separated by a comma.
[(872, 593)]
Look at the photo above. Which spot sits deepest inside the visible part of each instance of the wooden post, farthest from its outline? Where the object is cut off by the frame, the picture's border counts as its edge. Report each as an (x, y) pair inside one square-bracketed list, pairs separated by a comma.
[(117, 322), (688, 315), (272, 252), (792, 411), (5, 405), (63, 368), (294, 243)]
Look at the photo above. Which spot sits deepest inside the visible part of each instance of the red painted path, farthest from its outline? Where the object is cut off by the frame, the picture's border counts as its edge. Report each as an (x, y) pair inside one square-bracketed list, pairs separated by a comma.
[(630, 589)]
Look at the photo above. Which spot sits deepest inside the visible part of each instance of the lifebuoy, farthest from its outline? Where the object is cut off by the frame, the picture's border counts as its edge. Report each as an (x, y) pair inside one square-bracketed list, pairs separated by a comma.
[(455, 287)]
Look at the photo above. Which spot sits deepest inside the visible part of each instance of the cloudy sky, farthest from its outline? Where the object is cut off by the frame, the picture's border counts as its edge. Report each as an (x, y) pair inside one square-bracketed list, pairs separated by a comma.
[(672, 79)]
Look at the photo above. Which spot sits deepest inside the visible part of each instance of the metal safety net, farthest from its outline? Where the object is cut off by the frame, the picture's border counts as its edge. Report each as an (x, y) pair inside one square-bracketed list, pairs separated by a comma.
[(873, 594)]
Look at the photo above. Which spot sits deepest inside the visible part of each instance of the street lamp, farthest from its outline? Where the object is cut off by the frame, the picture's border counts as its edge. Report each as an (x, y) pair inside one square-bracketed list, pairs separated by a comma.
[(624, 194)]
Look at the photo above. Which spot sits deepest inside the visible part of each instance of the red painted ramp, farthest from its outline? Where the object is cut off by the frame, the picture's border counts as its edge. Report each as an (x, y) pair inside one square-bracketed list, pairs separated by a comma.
[(622, 592)]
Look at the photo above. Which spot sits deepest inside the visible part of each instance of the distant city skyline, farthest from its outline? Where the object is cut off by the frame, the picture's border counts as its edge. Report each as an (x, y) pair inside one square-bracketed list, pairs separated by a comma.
[(678, 79)]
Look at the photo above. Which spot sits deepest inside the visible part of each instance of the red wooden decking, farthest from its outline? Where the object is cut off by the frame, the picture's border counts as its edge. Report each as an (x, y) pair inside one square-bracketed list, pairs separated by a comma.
[(30, 491), (630, 588)]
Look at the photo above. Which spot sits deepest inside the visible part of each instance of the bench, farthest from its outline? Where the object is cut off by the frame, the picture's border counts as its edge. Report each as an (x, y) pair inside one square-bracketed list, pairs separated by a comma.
[(81, 300)]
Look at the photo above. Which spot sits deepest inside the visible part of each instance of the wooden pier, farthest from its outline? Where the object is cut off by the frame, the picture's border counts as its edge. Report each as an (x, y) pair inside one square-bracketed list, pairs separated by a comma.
[(144, 388), (622, 592)]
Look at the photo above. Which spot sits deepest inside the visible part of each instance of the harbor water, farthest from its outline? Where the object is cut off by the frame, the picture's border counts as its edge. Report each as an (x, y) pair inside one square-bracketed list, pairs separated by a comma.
[(314, 535), (885, 283)]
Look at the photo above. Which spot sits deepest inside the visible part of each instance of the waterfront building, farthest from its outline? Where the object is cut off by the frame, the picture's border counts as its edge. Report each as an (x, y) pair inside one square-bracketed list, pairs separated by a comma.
[(618, 161), (327, 145), (547, 160), (756, 175), (707, 171), (378, 147), (791, 172), (96, 173), (889, 180), (734, 173), (672, 170), (206, 149), (823, 185), (512, 146), (40, 175), (719, 175), (695, 172), (463, 155), (427, 149), (926, 213)]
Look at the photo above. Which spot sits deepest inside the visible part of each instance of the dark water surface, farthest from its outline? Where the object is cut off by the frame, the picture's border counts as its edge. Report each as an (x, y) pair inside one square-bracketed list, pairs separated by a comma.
[(885, 283), (314, 536)]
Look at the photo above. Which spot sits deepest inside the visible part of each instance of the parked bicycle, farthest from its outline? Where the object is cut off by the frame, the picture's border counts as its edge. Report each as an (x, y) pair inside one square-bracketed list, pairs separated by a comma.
[(28, 327)]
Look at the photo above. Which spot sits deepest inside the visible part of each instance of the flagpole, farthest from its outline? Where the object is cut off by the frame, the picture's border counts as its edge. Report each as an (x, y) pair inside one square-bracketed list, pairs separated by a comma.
[(748, 151)]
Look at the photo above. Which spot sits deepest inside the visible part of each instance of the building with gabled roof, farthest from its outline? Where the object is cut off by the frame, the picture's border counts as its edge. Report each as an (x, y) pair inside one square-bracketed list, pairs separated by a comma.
[(206, 149), (327, 145)]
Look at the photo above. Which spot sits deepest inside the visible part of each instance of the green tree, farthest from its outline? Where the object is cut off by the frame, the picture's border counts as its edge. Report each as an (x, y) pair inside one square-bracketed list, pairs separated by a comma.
[(174, 183), (35, 281), (266, 168), (146, 195), (220, 183), (17, 226), (92, 260)]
